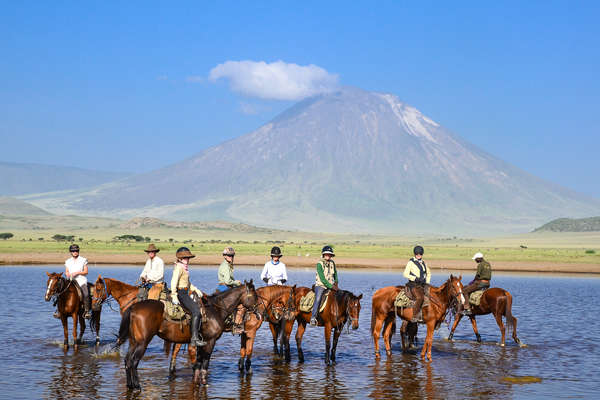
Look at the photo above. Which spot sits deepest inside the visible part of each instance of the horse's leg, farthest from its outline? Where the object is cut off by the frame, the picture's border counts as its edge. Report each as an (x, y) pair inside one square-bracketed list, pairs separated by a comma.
[(65, 324), (514, 334), (498, 317), (75, 318), (96, 319), (474, 323), (286, 332), (202, 361), (166, 347), (249, 349), (403, 335), (275, 334), (299, 333), (387, 330), (455, 324), (376, 330), (134, 360), (327, 330), (428, 341), (82, 329), (243, 340), (173, 362), (336, 336)]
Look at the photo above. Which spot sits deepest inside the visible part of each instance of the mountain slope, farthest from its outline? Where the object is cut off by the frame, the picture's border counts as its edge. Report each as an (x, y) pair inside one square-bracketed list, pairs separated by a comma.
[(19, 179), (10, 206), (571, 225), (347, 161)]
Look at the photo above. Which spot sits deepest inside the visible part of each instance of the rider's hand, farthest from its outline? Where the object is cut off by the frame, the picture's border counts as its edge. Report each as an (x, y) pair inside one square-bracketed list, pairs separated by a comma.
[(283, 280), (175, 300), (265, 280), (335, 287), (238, 283)]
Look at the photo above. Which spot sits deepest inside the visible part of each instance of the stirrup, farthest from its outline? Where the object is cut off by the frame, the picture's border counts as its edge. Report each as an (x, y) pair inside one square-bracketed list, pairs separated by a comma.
[(56, 314), (237, 329), (467, 311), (87, 315), (199, 342), (313, 321)]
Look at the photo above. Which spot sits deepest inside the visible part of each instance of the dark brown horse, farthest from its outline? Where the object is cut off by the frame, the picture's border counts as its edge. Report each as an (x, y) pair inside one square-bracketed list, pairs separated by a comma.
[(126, 295), (433, 314), (342, 307), (274, 304), (495, 301), (70, 305), (142, 321)]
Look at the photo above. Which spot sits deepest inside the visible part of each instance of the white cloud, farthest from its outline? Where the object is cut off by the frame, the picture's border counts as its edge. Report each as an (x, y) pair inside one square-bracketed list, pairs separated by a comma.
[(277, 80)]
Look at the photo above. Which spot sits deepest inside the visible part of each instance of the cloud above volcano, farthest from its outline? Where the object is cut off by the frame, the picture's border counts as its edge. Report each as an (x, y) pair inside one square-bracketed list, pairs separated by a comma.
[(275, 81)]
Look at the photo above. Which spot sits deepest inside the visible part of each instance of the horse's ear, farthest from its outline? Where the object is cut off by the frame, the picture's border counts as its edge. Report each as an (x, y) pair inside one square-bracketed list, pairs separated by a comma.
[(294, 287), (451, 276), (460, 277), (47, 273), (360, 296), (252, 281), (60, 274)]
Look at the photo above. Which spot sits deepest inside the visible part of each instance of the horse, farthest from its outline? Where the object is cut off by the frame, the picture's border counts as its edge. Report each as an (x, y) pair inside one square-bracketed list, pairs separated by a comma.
[(342, 306), (126, 295), (143, 320), (495, 301), (69, 305), (433, 314), (274, 303)]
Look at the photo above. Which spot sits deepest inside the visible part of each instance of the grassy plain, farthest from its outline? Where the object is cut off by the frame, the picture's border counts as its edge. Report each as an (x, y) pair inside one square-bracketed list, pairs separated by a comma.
[(95, 235)]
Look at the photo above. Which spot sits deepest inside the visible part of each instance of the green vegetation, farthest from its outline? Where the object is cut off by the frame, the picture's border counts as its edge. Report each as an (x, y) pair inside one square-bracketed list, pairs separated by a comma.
[(6, 235), (572, 225), (63, 238), (137, 238)]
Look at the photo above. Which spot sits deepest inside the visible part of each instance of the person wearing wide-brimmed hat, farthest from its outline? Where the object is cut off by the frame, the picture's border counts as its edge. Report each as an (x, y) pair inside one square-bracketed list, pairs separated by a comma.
[(225, 272), (481, 281), (153, 272), (274, 272), (181, 288), (326, 278)]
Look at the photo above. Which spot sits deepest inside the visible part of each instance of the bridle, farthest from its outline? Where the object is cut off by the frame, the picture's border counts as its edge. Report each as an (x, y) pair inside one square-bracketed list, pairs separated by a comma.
[(61, 280)]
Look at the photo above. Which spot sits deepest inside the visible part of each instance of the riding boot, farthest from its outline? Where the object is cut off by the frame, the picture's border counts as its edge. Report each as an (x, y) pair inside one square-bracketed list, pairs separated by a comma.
[(195, 326), (86, 308), (238, 322), (417, 315)]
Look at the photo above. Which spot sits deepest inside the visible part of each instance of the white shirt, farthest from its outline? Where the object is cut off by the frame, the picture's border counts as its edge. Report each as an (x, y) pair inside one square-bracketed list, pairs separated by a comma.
[(154, 270), (77, 265), (275, 273)]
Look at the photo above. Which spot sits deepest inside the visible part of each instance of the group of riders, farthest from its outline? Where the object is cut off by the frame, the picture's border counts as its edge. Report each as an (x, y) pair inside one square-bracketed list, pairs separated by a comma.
[(273, 273)]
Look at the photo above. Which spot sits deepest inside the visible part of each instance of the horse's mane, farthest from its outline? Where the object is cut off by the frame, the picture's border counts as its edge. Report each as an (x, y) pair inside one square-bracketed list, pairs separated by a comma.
[(218, 296), (277, 289), (118, 282)]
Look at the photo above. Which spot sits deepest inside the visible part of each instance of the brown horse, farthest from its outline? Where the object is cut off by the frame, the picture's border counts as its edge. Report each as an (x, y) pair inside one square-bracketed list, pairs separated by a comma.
[(274, 303), (495, 301), (433, 314), (142, 321), (69, 305), (342, 306), (126, 295)]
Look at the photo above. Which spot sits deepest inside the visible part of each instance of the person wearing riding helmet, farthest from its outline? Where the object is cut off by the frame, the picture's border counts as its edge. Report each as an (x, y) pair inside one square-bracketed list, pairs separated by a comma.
[(274, 272), (326, 278), (481, 281), (225, 273), (418, 276), (76, 267), (181, 288)]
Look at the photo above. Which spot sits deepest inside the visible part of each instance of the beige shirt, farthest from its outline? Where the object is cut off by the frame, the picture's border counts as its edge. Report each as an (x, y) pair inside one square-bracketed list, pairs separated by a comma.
[(181, 280), (154, 270), (412, 272)]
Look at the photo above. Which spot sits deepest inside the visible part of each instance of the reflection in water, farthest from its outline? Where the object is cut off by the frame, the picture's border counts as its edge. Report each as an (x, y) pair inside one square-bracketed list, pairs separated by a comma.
[(76, 376)]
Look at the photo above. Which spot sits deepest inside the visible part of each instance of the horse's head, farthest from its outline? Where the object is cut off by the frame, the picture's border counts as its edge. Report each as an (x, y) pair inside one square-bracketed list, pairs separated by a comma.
[(53, 284), (290, 306), (353, 309), (456, 289), (250, 298), (100, 293)]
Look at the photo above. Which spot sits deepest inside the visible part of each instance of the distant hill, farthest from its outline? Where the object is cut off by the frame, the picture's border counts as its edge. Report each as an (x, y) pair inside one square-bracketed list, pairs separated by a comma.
[(571, 225), (10, 206), (147, 222), (347, 161), (19, 179)]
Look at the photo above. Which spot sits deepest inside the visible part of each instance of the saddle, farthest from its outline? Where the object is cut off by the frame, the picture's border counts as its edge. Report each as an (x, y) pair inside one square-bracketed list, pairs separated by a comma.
[(151, 294), (403, 300), (308, 300), (173, 312), (475, 297), (91, 290)]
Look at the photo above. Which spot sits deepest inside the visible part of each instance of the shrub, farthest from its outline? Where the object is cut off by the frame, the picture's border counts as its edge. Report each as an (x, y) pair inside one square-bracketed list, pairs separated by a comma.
[(63, 238), (6, 235), (590, 252)]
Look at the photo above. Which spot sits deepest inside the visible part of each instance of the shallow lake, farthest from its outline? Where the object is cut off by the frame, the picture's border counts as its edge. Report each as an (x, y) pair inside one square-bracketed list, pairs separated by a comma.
[(558, 319)]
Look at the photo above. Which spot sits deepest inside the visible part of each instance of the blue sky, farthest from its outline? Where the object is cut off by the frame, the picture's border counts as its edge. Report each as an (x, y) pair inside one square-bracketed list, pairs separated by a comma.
[(126, 87)]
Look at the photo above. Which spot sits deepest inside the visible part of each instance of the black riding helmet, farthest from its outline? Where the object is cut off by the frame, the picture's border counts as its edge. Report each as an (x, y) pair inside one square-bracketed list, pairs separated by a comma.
[(73, 247), (418, 250), (275, 252)]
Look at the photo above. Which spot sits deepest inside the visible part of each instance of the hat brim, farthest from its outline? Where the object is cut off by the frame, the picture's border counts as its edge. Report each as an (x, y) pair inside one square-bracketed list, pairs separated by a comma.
[(276, 255), (328, 252), (152, 251)]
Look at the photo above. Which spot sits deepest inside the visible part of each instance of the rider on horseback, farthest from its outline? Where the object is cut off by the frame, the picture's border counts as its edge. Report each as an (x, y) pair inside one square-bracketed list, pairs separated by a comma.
[(481, 281), (180, 284), (274, 272), (226, 281), (418, 276), (326, 279), (153, 272), (76, 267)]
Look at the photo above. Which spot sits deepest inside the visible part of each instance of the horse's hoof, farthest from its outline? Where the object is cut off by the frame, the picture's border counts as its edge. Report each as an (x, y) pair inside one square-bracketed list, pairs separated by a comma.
[(501, 344), (377, 355), (388, 353), (522, 345), (249, 371)]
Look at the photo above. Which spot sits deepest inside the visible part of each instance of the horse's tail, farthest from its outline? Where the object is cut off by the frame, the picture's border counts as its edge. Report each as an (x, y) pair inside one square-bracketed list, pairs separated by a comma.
[(124, 327), (510, 320)]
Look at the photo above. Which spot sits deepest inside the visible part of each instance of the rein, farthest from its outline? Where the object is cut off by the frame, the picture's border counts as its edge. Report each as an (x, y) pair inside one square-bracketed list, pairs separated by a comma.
[(62, 281)]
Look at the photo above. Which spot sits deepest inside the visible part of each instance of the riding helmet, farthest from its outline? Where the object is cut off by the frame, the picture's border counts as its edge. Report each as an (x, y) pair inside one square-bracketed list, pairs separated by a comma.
[(327, 250), (275, 252), (418, 250), (73, 247), (228, 251), (184, 252)]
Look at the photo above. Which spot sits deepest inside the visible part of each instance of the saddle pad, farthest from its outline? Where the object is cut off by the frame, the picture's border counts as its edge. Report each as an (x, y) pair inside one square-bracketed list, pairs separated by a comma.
[(308, 300), (174, 311), (475, 297), (402, 300)]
